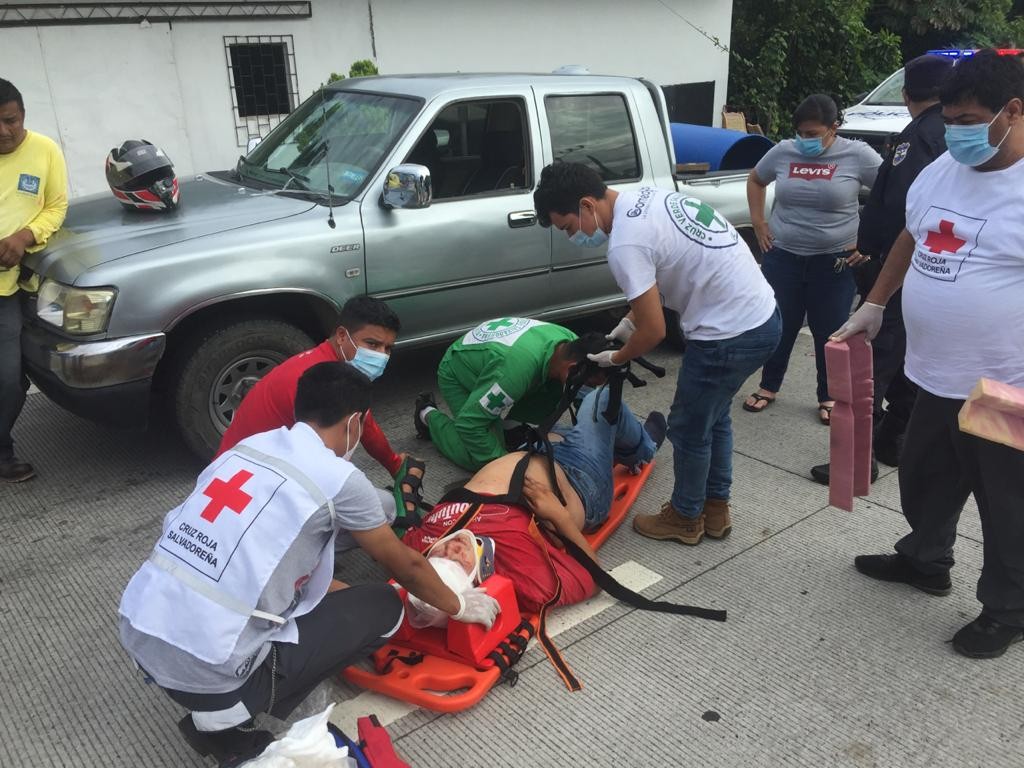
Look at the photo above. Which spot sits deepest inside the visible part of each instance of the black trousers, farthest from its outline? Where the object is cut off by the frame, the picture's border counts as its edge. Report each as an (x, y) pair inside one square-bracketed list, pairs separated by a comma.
[(940, 467), (888, 350), (346, 626)]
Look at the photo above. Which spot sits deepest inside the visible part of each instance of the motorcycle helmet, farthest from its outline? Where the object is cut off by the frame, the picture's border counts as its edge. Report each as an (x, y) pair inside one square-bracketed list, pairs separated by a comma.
[(142, 177)]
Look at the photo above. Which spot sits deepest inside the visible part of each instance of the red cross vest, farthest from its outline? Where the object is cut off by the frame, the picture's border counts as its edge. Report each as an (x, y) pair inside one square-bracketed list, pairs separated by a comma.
[(202, 583)]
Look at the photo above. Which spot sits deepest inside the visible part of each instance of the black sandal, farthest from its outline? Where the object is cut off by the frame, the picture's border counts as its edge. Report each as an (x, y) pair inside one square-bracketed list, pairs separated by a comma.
[(758, 399)]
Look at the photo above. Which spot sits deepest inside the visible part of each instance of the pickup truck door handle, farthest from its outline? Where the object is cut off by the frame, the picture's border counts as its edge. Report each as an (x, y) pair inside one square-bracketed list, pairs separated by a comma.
[(518, 219)]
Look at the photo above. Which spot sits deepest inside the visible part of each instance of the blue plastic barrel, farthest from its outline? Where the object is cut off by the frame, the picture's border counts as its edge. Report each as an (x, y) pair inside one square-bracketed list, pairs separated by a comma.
[(721, 148)]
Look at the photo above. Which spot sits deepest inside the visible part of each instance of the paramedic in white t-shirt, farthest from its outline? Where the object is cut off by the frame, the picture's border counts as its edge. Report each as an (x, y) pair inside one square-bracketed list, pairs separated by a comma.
[(670, 251), (235, 612), (961, 263)]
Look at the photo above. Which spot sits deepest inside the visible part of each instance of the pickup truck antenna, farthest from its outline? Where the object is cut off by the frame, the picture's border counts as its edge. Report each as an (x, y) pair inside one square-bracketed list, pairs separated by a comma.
[(327, 163)]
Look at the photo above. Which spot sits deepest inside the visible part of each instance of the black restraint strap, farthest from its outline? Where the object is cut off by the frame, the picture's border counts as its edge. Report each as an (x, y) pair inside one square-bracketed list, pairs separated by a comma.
[(607, 582)]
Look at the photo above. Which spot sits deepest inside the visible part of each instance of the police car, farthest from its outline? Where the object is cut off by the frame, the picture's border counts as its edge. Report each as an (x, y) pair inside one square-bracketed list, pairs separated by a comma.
[(882, 115)]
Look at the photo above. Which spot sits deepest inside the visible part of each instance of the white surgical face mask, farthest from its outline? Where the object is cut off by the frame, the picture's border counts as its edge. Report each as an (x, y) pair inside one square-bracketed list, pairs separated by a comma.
[(350, 450)]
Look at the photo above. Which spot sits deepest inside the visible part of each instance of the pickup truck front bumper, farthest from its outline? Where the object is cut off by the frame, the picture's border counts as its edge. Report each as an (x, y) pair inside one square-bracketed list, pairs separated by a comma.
[(108, 381)]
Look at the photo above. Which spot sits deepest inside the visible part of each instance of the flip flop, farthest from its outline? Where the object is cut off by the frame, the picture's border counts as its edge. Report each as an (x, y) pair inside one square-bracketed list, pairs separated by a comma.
[(757, 407), (825, 419)]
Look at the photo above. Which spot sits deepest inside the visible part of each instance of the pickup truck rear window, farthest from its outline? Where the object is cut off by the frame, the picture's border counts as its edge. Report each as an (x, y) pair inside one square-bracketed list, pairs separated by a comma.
[(594, 129)]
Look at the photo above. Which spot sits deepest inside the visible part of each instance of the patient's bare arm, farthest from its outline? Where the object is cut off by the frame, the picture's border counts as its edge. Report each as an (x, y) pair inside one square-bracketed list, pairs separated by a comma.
[(550, 511)]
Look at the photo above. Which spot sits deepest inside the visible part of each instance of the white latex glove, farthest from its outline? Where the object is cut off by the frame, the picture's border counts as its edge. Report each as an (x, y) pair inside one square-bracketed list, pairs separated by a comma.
[(866, 320), (622, 331), (605, 359), (477, 607)]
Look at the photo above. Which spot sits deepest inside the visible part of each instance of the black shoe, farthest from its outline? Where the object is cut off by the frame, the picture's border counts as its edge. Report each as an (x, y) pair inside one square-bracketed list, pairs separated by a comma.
[(657, 427), (14, 471), (888, 450), (229, 747), (820, 473), (986, 638), (896, 568), (423, 400)]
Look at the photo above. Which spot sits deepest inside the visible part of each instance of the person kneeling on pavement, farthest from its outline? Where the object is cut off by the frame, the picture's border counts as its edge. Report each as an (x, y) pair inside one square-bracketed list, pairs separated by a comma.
[(584, 459), (235, 611)]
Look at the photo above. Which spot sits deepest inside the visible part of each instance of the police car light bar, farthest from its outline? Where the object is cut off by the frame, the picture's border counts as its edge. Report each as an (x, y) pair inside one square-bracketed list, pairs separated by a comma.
[(963, 53)]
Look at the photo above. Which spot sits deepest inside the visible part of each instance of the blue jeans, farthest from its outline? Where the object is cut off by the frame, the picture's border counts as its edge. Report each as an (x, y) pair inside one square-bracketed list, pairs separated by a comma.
[(699, 424), (13, 382), (806, 285), (588, 451)]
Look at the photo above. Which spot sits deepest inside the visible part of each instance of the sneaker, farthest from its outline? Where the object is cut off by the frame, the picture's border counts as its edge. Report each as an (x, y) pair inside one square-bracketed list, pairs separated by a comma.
[(820, 473), (717, 520), (670, 525), (423, 400), (14, 471), (657, 427), (897, 568), (230, 747), (986, 638)]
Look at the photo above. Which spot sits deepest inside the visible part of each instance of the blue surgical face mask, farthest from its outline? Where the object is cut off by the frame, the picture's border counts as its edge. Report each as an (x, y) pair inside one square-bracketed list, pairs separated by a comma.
[(369, 362), (584, 240), (809, 147), (968, 144)]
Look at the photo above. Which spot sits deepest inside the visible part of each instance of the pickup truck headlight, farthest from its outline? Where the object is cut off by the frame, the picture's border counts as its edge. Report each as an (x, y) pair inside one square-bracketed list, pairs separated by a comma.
[(75, 310)]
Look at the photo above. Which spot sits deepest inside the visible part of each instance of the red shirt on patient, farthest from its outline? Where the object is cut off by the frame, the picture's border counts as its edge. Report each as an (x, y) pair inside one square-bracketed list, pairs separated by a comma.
[(516, 554)]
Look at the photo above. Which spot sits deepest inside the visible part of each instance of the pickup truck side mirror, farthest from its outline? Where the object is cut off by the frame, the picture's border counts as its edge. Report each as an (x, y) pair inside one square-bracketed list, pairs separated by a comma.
[(251, 144), (408, 186)]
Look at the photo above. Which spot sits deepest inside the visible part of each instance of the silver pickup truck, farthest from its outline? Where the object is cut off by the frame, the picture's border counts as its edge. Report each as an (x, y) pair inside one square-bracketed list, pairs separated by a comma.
[(413, 189)]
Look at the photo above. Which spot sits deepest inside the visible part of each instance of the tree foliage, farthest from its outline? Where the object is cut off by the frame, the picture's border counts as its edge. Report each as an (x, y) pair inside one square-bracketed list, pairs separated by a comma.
[(359, 68), (785, 50), (927, 24)]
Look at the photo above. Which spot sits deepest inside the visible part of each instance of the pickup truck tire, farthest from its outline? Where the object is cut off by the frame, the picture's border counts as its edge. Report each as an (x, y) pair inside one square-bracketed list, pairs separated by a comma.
[(221, 368)]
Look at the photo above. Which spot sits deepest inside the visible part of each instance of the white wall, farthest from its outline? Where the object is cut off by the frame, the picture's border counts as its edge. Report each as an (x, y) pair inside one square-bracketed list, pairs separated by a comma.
[(92, 87)]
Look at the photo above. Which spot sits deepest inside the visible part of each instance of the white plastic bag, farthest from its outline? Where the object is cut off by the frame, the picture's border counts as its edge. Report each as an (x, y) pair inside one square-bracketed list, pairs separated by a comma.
[(308, 744)]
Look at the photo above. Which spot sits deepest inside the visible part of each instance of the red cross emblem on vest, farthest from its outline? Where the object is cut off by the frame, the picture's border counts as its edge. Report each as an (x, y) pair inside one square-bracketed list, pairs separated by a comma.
[(944, 241), (226, 494)]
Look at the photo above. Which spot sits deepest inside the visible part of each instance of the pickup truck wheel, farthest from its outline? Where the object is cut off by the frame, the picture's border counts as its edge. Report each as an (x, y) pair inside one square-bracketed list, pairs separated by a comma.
[(673, 333), (221, 370)]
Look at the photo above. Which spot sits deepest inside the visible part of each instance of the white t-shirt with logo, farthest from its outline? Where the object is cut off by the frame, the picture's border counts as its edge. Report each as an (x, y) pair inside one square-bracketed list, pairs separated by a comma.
[(963, 296), (702, 267)]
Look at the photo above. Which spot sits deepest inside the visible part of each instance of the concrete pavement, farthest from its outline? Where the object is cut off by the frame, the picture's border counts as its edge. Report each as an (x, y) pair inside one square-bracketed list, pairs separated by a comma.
[(816, 666)]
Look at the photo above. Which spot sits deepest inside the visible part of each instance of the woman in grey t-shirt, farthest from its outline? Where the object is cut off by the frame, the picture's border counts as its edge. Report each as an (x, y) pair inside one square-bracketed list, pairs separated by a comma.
[(810, 239)]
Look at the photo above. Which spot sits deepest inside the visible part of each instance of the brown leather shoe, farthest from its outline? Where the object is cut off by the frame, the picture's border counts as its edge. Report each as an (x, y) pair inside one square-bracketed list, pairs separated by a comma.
[(670, 525), (717, 521)]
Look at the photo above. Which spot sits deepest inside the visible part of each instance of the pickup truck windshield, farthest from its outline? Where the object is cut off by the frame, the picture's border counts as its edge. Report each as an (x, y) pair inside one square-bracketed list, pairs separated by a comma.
[(889, 93), (346, 130)]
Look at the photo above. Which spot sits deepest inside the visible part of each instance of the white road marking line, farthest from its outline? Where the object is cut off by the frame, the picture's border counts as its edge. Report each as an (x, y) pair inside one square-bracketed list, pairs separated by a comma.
[(630, 574)]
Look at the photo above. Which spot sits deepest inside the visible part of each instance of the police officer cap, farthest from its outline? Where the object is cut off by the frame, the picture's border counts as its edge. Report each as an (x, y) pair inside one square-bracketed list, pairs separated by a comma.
[(926, 73)]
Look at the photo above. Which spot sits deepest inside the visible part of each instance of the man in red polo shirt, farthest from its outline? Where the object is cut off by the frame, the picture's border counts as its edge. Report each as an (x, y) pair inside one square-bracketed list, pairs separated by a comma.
[(366, 332)]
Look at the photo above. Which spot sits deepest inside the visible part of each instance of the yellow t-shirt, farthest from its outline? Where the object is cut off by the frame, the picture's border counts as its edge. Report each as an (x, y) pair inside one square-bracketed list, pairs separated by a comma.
[(33, 194)]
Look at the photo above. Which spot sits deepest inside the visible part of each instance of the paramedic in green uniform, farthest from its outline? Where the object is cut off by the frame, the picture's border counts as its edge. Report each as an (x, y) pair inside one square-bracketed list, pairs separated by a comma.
[(509, 368)]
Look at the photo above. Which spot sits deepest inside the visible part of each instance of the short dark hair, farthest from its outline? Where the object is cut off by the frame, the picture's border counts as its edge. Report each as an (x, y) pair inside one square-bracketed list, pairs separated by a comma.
[(561, 187), (590, 343), (329, 392), (9, 93), (987, 78), (362, 311), (818, 108)]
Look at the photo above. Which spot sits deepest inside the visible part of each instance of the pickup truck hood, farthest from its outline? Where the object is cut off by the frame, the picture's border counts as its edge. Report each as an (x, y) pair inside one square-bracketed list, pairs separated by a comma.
[(98, 229)]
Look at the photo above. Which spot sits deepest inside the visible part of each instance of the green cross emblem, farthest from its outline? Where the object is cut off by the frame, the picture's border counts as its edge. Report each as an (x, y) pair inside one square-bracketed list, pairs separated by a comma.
[(497, 325), (705, 213), (495, 401)]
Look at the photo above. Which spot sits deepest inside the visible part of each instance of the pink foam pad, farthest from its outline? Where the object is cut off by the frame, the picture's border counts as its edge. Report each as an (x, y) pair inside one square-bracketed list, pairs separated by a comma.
[(995, 411), (850, 383)]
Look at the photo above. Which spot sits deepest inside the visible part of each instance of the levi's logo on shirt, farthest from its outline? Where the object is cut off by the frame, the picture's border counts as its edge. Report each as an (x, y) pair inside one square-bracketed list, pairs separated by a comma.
[(812, 171), (28, 183)]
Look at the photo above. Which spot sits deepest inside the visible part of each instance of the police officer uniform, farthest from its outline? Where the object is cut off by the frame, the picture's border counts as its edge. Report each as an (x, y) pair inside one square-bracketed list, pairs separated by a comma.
[(882, 220)]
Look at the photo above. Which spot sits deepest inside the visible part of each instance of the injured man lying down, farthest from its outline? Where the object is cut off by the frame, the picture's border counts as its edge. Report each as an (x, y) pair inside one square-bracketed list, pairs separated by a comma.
[(499, 538)]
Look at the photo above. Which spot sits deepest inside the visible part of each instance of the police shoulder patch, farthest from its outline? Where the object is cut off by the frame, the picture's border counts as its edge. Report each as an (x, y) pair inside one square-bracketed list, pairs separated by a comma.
[(900, 153)]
